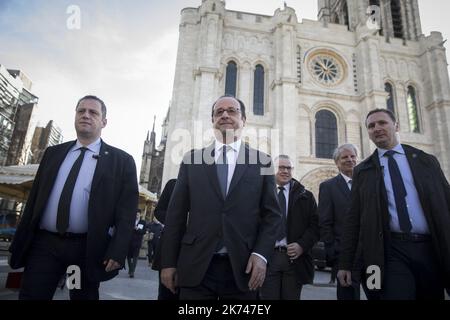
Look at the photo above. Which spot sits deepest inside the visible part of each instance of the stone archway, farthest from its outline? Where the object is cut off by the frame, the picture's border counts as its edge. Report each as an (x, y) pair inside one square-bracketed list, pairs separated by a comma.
[(314, 178)]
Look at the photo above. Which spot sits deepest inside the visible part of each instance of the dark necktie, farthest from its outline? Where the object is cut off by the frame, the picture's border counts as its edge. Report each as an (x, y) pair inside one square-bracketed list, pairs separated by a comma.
[(222, 171), (350, 184), (282, 201), (399, 193), (222, 174), (62, 220)]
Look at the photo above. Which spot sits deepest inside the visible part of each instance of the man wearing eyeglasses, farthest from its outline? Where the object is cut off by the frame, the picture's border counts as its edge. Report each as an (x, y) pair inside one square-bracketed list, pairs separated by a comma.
[(223, 217), (291, 265)]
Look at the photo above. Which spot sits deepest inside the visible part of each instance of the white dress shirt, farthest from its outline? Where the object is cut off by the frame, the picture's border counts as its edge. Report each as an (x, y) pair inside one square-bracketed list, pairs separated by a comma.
[(78, 219), (232, 156), (415, 210), (348, 181)]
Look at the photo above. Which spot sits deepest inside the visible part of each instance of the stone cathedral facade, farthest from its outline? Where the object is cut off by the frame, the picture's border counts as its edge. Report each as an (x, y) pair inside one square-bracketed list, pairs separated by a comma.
[(308, 85)]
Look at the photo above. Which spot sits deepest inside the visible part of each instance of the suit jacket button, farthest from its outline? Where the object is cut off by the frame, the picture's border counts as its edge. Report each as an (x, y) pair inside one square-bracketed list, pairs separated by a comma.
[(381, 235)]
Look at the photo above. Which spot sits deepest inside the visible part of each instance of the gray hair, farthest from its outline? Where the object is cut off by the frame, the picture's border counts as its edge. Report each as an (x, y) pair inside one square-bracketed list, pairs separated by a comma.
[(282, 156), (347, 146)]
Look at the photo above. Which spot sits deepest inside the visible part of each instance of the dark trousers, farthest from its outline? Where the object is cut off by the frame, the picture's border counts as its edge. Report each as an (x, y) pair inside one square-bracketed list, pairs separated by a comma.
[(412, 272), (164, 293), (150, 252), (218, 283), (334, 271), (349, 293), (47, 262), (281, 281), (371, 294), (353, 292), (132, 259)]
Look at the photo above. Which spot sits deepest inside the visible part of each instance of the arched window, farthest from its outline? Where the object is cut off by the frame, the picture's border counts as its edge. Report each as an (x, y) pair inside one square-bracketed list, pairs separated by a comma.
[(326, 134), (230, 78), (390, 104), (412, 110), (397, 22), (258, 91)]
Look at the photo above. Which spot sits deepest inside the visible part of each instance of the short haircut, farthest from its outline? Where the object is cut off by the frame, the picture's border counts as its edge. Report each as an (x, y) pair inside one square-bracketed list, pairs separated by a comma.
[(96, 99), (388, 112), (241, 105), (348, 146), (282, 156)]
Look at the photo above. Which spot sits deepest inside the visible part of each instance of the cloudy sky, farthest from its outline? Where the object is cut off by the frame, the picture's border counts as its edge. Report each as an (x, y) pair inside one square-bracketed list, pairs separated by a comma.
[(124, 52)]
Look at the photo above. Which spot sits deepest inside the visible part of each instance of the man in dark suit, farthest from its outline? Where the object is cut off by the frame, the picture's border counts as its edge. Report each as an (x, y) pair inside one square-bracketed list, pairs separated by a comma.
[(80, 211), (223, 217), (400, 215), (160, 214), (334, 203), (291, 265), (135, 243), (154, 229)]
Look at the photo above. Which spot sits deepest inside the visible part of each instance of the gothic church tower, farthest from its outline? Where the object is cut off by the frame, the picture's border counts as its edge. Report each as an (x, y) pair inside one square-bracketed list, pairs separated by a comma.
[(310, 82)]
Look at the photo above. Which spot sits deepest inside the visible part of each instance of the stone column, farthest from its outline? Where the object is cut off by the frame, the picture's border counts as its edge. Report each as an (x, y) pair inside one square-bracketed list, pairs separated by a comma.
[(286, 87), (387, 14), (304, 131), (405, 22), (436, 95), (411, 23), (353, 133), (416, 15), (245, 82), (372, 91), (183, 88), (401, 94)]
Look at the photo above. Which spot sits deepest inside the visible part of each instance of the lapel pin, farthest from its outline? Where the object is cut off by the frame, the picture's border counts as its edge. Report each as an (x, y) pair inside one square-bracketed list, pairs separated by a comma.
[(414, 155), (106, 153)]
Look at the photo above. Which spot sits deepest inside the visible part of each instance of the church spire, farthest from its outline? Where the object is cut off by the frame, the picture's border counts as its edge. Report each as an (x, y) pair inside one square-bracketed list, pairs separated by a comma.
[(153, 134)]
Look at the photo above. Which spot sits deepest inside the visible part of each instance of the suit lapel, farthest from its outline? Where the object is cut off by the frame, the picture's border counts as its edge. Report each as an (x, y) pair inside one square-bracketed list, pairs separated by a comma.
[(293, 195), (343, 187), (55, 163), (241, 166), (380, 187), (416, 170), (52, 168), (102, 164), (211, 171)]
